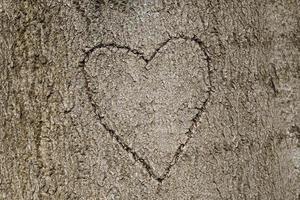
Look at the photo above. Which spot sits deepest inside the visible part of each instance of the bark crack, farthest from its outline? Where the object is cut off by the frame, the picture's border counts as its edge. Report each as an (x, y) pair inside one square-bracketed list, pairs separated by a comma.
[(141, 55)]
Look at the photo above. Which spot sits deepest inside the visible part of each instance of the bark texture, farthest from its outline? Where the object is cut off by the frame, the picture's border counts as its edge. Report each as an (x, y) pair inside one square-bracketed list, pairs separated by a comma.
[(137, 99)]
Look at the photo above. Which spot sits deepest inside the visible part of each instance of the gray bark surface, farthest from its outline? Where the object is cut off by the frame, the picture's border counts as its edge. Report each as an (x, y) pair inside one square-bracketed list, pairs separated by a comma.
[(106, 99)]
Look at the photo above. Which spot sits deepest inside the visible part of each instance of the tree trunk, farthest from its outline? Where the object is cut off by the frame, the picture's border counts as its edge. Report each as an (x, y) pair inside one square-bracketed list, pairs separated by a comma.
[(106, 99)]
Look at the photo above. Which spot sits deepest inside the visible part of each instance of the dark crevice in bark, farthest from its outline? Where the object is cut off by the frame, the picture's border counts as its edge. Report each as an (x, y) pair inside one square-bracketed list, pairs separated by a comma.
[(81, 11), (113, 133)]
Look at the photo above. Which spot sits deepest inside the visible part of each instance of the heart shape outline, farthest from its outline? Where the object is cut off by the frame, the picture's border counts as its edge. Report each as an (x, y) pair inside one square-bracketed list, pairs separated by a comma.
[(140, 55)]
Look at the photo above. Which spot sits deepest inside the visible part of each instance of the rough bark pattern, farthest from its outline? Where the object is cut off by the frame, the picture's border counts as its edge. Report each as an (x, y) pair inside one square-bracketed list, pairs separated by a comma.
[(221, 121)]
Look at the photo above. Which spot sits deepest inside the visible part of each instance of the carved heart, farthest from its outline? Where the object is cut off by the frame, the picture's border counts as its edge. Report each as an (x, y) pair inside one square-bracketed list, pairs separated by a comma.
[(151, 106)]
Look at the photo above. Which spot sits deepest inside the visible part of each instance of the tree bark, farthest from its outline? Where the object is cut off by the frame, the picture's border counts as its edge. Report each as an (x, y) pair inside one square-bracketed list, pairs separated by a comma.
[(106, 99)]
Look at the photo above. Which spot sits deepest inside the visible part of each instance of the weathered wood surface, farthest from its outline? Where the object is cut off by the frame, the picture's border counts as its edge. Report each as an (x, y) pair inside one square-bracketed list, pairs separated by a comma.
[(149, 99)]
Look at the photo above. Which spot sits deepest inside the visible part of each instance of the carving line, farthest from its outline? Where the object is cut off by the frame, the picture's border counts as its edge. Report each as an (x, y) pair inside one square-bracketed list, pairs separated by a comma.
[(114, 134), (136, 52)]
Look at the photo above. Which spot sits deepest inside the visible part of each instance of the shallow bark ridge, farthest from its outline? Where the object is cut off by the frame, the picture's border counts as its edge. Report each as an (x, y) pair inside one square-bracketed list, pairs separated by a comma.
[(139, 99)]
